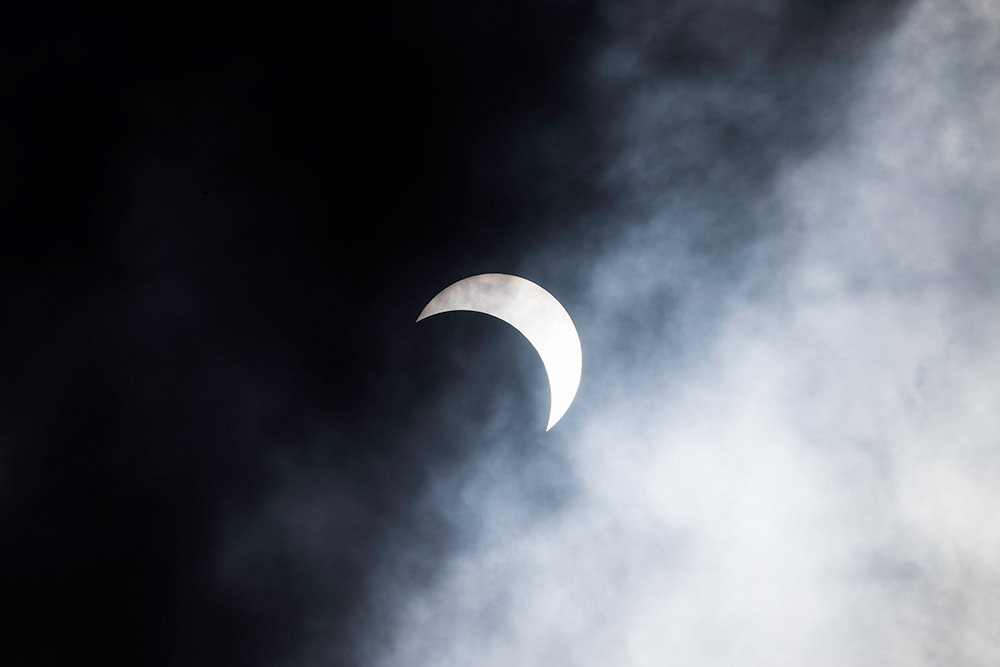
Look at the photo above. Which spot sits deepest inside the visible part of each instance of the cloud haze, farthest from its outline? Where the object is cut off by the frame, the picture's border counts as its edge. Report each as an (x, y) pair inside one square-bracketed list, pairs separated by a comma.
[(785, 448)]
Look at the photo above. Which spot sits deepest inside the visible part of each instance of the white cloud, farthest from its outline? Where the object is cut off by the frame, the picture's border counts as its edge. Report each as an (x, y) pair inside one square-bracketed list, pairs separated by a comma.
[(817, 481)]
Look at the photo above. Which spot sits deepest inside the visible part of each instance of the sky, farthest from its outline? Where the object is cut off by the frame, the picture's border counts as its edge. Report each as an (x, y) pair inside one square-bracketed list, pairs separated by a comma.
[(224, 439)]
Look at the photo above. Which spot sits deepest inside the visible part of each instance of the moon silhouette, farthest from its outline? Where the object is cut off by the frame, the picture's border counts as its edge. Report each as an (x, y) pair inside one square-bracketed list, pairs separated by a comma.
[(532, 311)]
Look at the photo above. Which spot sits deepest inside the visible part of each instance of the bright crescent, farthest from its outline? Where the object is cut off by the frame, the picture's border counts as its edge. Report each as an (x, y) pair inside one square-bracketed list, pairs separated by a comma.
[(532, 311)]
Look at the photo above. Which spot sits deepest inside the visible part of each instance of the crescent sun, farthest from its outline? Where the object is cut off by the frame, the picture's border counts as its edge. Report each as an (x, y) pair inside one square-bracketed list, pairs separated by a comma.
[(532, 311)]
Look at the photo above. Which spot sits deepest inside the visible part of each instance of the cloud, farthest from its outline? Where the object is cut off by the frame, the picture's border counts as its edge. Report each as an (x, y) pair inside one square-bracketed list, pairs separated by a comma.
[(794, 459)]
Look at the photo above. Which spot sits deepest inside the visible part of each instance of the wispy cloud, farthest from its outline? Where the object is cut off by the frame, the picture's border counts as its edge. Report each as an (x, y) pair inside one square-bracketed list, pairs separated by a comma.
[(786, 456)]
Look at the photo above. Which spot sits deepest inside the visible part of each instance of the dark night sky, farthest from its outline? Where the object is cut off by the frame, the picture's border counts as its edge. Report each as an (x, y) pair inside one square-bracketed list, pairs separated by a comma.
[(218, 226)]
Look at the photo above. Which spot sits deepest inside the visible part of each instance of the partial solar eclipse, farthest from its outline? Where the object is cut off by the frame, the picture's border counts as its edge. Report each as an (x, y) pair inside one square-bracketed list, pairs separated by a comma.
[(532, 311)]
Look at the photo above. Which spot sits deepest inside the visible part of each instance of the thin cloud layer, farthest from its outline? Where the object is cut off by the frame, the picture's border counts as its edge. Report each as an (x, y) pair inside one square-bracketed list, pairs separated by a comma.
[(795, 459)]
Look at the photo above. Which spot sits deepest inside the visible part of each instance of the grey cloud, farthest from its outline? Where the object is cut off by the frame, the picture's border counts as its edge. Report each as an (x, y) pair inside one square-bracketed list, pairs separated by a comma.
[(784, 450)]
